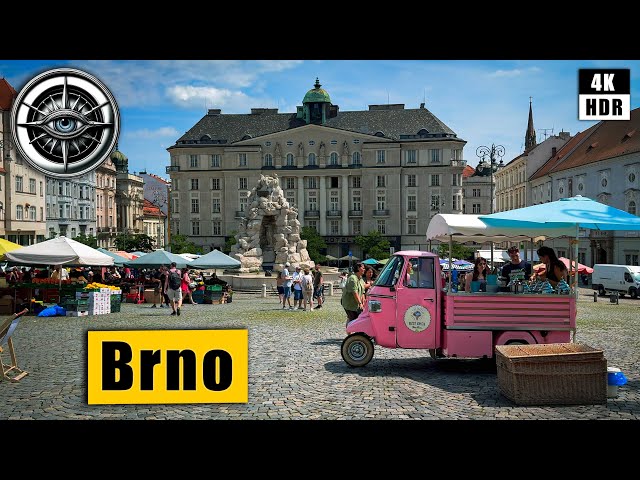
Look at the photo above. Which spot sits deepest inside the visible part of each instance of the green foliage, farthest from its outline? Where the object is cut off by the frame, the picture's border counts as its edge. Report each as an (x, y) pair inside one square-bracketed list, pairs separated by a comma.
[(89, 240), (315, 243), (131, 243), (180, 244), (231, 241), (374, 245), (459, 251)]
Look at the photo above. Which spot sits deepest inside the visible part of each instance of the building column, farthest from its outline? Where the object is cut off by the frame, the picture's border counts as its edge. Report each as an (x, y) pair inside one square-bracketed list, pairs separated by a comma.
[(323, 205), (300, 202), (345, 204)]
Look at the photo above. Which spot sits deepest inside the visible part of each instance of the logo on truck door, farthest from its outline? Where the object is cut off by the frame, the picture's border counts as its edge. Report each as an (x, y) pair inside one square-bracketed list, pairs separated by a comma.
[(417, 318)]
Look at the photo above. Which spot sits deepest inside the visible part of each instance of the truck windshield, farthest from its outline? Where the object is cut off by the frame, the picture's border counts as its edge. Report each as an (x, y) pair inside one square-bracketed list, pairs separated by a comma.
[(391, 272), (637, 276)]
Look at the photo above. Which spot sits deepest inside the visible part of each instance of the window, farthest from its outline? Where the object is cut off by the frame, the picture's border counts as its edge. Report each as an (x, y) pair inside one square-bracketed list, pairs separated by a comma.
[(456, 179), (334, 182), (215, 160), (410, 156), (357, 227), (267, 144), (382, 226), (195, 228), (19, 212), (356, 182), (312, 182), (380, 181), (312, 224), (176, 227), (215, 207), (217, 228), (242, 183), (434, 154), (412, 203), (380, 156), (195, 205), (60, 211), (456, 154), (631, 259), (313, 204), (289, 143), (356, 159), (381, 202), (312, 142), (580, 187), (411, 181), (455, 202), (570, 187), (290, 159), (242, 159), (356, 141), (60, 186), (290, 183), (334, 202), (19, 184), (243, 202), (268, 160), (357, 202), (32, 185), (412, 227), (631, 208), (193, 161), (333, 160), (312, 159), (476, 192), (334, 142), (476, 208), (334, 227), (215, 184), (632, 177), (434, 180), (603, 182), (291, 198), (194, 184), (435, 202)]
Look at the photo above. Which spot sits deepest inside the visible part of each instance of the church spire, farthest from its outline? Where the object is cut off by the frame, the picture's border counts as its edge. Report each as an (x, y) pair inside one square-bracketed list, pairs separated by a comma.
[(530, 136)]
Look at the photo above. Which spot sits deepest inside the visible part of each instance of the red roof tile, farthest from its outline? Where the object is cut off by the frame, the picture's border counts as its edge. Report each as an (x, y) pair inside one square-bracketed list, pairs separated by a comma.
[(149, 208), (7, 94), (555, 163), (468, 171)]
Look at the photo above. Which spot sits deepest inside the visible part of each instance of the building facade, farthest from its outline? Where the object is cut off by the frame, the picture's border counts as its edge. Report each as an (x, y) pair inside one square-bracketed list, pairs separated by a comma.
[(156, 192), (387, 169), (106, 210), (129, 196), (71, 206), (154, 224)]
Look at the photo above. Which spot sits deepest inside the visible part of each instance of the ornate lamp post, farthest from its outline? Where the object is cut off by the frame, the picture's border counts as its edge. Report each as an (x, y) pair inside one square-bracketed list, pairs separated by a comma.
[(492, 152)]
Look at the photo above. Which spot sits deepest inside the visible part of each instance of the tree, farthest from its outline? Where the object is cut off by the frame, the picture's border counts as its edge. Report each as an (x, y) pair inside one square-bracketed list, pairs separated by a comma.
[(373, 245), (180, 244), (140, 242), (459, 251), (315, 243), (231, 241), (89, 240)]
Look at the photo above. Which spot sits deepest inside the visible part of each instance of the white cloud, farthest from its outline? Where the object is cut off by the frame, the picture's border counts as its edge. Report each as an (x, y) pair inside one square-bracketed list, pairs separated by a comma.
[(516, 72), (189, 96), (145, 133)]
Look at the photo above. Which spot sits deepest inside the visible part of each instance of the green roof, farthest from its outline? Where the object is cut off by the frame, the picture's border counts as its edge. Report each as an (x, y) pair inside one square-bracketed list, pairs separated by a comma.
[(317, 95)]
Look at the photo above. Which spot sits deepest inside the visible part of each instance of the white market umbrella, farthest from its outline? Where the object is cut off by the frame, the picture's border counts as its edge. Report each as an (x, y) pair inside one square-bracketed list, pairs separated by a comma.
[(59, 251)]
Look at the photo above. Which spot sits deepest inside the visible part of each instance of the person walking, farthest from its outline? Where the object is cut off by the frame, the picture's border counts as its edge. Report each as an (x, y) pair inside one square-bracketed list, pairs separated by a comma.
[(185, 285), (318, 286), (280, 287), (173, 288), (353, 293), (306, 284), (287, 290)]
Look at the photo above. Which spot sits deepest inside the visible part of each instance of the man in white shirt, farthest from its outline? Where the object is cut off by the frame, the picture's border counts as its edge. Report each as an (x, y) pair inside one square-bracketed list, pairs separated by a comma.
[(297, 289)]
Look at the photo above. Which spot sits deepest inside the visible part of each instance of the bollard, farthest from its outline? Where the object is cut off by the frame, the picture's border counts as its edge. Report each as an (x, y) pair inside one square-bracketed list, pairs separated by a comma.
[(595, 297), (264, 290), (331, 289)]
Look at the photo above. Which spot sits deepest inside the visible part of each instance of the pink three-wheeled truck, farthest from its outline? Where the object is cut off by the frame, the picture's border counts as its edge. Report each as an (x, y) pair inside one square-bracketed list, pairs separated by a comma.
[(408, 308)]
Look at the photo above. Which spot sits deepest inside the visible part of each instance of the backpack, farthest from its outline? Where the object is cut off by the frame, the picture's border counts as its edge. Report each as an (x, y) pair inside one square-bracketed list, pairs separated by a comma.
[(308, 286), (174, 280)]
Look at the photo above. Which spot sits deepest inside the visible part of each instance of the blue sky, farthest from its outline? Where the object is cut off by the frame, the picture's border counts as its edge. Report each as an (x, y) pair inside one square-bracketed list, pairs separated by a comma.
[(483, 101)]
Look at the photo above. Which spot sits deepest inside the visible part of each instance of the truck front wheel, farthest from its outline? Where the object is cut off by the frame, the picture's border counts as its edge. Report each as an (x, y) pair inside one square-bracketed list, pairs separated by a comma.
[(357, 350), (633, 293)]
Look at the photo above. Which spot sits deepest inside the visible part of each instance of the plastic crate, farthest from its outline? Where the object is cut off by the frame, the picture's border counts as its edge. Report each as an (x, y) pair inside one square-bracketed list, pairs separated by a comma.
[(552, 374), (214, 288)]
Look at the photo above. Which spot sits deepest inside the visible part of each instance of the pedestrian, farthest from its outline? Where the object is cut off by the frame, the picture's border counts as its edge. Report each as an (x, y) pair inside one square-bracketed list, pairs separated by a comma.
[(280, 287), (297, 288), (173, 288), (287, 290), (318, 286), (353, 293), (185, 285), (369, 277), (307, 289), (164, 298)]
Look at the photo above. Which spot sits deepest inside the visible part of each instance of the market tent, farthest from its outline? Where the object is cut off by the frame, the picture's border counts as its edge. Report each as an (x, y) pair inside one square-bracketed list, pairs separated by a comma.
[(118, 261), (138, 254), (127, 255), (371, 261), (157, 259), (59, 251), (215, 259), (346, 258), (541, 267), (383, 261), (7, 246)]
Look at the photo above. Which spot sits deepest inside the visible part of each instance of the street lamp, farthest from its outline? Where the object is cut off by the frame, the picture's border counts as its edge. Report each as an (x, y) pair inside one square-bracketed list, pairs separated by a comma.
[(492, 152), (435, 206)]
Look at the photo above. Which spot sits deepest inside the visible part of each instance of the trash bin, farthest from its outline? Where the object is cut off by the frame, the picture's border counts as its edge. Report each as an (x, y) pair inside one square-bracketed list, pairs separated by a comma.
[(613, 297), (615, 378)]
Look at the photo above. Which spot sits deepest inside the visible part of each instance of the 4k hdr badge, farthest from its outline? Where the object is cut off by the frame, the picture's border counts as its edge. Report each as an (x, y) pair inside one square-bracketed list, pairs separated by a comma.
[(65, 122)]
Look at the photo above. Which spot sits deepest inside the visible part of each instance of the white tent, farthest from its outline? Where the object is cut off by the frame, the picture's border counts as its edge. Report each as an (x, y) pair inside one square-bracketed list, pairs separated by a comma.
[(59, 251)]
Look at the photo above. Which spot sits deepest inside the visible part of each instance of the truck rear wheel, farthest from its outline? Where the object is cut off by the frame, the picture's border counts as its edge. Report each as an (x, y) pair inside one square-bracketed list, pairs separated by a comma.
[(357, 350)]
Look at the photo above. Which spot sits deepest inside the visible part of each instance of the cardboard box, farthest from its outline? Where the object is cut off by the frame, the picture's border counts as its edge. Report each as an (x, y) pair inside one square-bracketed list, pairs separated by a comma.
[(6, 306), (151, 297)]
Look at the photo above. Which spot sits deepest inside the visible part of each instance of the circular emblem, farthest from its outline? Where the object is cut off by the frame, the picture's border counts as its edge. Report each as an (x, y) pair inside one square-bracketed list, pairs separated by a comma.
[(417, 318), (65, 122)]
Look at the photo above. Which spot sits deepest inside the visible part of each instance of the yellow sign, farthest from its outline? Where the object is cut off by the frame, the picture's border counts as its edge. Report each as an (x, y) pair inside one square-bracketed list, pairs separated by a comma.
[(168, 366)]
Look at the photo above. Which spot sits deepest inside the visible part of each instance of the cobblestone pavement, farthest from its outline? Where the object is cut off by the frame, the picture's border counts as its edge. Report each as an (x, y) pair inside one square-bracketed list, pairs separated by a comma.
[(296, 370)]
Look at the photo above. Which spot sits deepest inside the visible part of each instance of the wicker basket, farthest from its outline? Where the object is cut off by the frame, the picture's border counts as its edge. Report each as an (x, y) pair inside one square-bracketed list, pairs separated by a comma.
[(552, 374)]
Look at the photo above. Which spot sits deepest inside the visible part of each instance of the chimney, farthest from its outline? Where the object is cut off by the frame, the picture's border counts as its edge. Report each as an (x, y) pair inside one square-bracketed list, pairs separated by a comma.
[(564, 135), (422, 105), (214, 111), (553, 151)]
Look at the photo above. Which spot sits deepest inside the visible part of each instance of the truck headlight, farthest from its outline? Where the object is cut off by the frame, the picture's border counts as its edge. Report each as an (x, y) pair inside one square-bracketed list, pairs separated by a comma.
[(375, 306)]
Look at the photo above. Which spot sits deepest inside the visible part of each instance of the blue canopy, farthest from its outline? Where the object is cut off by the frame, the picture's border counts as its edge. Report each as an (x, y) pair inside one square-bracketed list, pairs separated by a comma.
[(575, 211), (215, 259), (157, 259), (118, 261), (370, 261)]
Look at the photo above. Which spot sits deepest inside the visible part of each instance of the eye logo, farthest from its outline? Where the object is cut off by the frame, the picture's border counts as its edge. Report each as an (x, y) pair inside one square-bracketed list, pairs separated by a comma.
[(65, 122)]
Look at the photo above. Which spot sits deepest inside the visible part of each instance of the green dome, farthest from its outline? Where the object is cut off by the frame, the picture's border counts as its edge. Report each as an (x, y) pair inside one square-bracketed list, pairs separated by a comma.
[(118, 157), (317, 95)]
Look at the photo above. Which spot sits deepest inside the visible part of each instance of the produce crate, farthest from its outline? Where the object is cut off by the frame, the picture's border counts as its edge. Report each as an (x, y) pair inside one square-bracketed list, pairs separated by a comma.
[(214, 288), (198, 296), (115, 307), (552, 374)]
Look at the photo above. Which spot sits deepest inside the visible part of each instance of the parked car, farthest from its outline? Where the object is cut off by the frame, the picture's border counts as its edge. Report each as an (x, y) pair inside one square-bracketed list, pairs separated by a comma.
[(624, 279)]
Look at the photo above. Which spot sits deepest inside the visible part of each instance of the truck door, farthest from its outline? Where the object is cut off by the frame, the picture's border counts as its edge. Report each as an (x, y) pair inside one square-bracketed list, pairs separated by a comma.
[(416, 310)]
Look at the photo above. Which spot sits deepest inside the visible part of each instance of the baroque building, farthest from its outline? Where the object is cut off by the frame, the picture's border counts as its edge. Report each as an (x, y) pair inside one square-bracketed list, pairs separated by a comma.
[(156, 192), (106, 210), (129, 196), (387, 169)]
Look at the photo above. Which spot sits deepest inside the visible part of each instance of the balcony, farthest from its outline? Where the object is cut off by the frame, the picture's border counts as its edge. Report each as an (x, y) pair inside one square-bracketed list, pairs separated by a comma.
[(173, 168), (334, 213), (355, 213), (240, 213), (458, 163), (381, 213), (312, 213)]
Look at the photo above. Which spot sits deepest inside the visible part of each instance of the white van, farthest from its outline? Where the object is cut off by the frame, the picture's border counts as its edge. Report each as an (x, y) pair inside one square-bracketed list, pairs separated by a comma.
[(624, 279)]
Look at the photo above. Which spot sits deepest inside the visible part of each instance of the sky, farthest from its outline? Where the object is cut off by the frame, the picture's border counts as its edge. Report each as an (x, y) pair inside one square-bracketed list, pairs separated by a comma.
[(483, 101)]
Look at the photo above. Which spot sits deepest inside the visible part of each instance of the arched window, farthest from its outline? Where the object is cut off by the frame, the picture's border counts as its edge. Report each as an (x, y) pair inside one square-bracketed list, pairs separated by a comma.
[(356, 158), (379, 134), (423, 133), (290, 160), (312, 159), (631, 208), (268, 160), (205, 138), (334, 158), (19, 212)]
